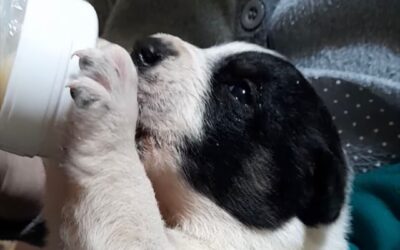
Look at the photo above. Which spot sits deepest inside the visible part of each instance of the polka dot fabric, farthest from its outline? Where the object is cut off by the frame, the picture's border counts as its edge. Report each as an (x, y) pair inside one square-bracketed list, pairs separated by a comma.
[(368, 125)]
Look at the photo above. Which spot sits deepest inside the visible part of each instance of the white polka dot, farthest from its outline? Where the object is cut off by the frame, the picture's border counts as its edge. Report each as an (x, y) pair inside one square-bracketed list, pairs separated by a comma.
[(358, 105), (398, 136), (340, 131), (382, 110), (335, 101), (297, 82), (348, 145), (369, 151), (347, 95), (355, 157), (376, 130), (364, 170), (394, 156), (354, 124), (338, 82), (333, 118), (391, 123), (345, 112), (378, 164), (368, 117), (325, 89), (384, 144), (361, 138), (371, 100)]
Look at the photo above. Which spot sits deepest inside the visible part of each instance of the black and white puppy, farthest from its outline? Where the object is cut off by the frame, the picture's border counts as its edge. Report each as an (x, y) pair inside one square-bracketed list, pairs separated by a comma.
[(187, 148)]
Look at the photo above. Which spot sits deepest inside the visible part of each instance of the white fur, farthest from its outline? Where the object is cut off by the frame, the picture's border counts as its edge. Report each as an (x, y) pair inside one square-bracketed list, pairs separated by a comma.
[(174, 103), (101, 196)]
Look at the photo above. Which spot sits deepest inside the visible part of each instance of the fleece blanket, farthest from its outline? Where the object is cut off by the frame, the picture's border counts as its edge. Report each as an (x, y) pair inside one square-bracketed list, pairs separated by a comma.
[(376, 210)]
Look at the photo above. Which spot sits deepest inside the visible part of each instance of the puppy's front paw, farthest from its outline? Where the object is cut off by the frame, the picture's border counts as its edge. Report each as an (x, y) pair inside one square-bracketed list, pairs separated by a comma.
[(105, 94)]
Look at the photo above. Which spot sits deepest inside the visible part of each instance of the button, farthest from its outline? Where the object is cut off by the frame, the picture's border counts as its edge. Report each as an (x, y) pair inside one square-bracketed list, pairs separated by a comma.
[(252, 15)]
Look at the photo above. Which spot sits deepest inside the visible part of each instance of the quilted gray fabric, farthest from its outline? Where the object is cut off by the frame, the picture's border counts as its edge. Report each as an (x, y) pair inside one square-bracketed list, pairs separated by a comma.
[(350, 50)]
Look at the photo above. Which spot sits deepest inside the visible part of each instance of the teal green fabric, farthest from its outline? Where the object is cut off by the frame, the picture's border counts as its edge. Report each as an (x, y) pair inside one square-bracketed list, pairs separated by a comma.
[(376, 210)]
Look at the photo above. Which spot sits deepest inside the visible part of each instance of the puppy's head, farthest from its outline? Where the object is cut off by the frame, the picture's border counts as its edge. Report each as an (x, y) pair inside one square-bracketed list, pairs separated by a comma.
[(245, 130)]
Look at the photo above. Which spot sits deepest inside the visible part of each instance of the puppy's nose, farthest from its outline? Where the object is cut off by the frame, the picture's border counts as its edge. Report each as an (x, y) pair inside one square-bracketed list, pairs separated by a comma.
[(150, 51)]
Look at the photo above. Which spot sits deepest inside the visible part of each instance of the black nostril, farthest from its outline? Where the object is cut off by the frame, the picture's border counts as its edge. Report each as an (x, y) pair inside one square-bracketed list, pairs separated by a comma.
[(148, 56), (150, 51)]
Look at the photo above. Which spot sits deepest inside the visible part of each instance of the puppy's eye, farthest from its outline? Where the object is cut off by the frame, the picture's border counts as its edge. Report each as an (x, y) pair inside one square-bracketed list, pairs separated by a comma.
[(241, 91)]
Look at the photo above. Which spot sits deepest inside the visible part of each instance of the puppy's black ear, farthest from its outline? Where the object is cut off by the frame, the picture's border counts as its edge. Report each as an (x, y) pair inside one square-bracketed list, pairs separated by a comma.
[(306, 128), (326, 183)]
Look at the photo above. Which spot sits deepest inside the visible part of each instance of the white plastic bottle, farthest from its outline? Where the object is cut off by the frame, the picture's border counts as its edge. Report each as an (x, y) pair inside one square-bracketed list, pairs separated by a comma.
[(37, 40)]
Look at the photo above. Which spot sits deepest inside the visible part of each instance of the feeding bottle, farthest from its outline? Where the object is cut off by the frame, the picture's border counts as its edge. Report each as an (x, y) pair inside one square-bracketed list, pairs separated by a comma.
[(37, 40)]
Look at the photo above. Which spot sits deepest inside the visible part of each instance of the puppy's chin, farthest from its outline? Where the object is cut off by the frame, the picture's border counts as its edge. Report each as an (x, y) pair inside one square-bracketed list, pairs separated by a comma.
[(147, 142), (143, 139)]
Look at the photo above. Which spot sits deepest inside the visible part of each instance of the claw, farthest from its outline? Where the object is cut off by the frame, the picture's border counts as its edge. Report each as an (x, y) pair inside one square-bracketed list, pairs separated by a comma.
[(84, 59), (72, 84), (82, 97)]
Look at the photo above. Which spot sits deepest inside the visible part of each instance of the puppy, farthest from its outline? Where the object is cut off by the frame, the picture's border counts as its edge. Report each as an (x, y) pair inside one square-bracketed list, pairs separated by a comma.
[(176, 147)]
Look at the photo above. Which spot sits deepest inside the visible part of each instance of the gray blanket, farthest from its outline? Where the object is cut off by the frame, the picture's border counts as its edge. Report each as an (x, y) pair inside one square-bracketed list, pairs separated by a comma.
[(349, 49)]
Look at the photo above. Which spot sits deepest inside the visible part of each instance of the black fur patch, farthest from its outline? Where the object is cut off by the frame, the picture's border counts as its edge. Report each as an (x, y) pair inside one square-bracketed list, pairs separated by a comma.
[(275, 156)]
